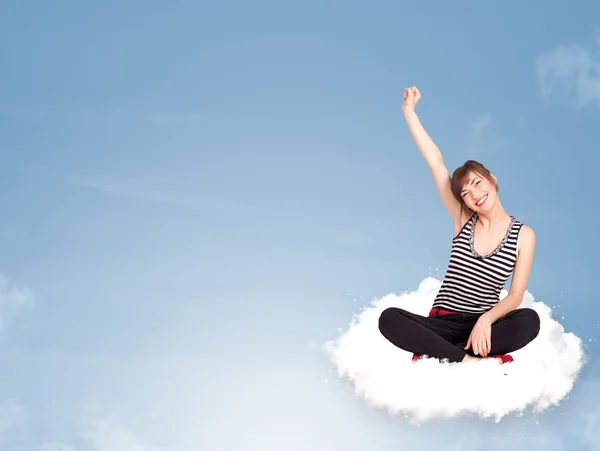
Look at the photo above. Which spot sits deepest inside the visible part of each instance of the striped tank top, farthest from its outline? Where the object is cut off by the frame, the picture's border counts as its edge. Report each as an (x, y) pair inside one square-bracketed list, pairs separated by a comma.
[(473, 282)]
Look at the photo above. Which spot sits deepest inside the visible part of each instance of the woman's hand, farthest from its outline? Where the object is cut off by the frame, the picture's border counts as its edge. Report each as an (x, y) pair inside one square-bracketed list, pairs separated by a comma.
[(411, 98), (481, 337)]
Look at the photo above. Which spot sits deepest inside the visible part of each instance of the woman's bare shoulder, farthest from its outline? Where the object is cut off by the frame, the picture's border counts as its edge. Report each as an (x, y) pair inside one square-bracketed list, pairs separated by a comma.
[(526, 239)]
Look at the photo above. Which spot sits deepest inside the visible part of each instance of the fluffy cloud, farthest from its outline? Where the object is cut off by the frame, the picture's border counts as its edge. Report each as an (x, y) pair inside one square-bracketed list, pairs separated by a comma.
[(541, 376)]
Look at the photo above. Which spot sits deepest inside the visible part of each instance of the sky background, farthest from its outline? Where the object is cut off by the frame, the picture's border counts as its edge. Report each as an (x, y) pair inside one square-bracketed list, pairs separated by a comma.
[(196, 196)]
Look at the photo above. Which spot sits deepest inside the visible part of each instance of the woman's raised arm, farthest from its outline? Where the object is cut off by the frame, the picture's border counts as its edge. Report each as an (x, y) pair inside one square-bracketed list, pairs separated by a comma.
[(431, 154)]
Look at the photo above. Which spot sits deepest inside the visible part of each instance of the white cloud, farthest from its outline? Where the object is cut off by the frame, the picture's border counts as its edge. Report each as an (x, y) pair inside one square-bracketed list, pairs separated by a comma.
[(13, 300), (572, 70), (481, 124), (542, 374)]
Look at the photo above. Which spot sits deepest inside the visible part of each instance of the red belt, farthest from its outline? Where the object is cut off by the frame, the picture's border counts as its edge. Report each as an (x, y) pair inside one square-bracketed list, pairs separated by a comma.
[(440, 312)]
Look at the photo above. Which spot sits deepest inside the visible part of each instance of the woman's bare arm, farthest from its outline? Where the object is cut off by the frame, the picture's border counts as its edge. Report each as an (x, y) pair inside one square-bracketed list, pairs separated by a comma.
[(431, 154)]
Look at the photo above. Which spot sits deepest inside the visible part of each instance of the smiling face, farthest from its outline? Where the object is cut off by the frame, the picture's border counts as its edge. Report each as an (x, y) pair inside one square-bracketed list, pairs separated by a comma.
[(474, 186), (479, 193)]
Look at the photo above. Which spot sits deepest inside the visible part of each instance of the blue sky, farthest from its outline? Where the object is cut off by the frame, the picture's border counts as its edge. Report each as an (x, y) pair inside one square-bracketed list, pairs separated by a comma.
[(195, 194)]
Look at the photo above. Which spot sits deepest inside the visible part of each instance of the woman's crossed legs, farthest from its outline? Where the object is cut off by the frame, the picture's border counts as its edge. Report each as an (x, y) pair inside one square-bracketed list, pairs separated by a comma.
[(445, 336)]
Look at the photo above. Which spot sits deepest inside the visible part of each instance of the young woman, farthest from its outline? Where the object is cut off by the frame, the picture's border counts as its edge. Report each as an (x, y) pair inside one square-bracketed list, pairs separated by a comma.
[(468, 322)]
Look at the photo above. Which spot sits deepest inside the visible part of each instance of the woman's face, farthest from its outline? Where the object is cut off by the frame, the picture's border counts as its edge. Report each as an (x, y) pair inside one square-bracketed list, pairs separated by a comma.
[(478, 193)]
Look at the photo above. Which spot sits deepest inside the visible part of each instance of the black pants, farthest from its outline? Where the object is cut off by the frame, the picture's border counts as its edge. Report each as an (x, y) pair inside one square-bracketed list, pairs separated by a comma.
[(445, 336)]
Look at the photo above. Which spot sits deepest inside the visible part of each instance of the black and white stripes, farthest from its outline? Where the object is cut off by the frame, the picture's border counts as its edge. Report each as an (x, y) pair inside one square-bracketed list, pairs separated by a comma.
[(473, 282)]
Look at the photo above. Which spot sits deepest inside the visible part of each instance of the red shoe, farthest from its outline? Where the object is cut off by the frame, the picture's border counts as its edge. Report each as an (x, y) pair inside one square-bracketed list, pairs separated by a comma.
[(506, 358)]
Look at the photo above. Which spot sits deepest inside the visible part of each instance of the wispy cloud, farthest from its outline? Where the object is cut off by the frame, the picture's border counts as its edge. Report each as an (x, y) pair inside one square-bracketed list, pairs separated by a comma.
[(572, 69), (100, 431), (55, 446), (13, 300), (102, 434), (12, 416), (155, 195), (480, 137), (482, 124), (107, 434), (591, 432)]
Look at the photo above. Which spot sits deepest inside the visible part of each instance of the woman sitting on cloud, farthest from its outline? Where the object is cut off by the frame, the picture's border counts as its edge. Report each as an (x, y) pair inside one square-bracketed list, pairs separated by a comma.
[(468, 321), (474, 318)]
